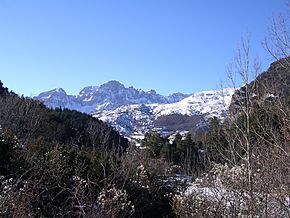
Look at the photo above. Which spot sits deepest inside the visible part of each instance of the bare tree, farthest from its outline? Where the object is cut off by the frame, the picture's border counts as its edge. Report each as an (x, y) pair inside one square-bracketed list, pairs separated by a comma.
[(255, 180)]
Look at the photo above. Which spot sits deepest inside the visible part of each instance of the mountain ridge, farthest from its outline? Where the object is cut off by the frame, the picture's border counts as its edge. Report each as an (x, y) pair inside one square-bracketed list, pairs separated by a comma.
[(141, 118), (134, 111), (274, 83), (109, 95)]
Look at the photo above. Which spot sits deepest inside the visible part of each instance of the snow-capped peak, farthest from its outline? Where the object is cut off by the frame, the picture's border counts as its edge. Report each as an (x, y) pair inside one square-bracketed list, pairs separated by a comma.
[(110, 95), (112, 85), (141, 118), (132, 110), (209, 103)]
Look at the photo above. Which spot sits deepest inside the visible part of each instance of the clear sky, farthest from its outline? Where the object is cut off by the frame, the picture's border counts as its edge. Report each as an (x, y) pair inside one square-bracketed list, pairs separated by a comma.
[(166, 45)]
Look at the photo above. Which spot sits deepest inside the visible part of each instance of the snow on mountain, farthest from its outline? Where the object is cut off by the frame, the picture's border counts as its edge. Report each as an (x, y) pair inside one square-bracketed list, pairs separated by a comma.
[(176, 97), (129, 118), (140, 118), (209, 103), (134, 111), (108, 96), (57, 98)]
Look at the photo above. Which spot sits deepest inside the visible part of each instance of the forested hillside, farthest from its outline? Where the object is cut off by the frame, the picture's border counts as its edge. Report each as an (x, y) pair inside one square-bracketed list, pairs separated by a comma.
[(32, 122), (240, 166), (64, 163), (60, 163)]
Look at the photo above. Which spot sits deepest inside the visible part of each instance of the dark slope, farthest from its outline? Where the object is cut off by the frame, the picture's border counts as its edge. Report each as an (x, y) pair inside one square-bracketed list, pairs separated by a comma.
[(32, 122), (269, 85)]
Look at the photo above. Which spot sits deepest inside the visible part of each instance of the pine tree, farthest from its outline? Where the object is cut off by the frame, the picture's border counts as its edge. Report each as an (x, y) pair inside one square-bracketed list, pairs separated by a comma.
[(3, 90)]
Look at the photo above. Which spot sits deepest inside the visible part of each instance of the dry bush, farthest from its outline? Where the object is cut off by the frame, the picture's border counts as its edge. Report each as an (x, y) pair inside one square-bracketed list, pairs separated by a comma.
[(224, 192), (113, 203)]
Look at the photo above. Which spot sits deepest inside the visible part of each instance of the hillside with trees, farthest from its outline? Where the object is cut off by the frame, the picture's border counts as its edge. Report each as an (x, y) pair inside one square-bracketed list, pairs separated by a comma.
[(32, 122), (240, 166), (63, 163), (247, 167)]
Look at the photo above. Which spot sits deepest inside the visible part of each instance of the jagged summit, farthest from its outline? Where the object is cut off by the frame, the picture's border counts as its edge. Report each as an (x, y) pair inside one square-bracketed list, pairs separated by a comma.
[(111, 85), (56, 98), (107, 96), (141, 118), (177, 96), (54, 92), (88, 90), (133, 110)]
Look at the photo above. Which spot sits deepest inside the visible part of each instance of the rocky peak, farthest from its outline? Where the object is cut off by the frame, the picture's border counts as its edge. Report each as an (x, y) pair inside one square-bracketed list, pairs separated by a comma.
[(54, 92), (55, 98), (112, 85), (152, 92), (134, 110), (175, 97), (89, 90), (110, 95)]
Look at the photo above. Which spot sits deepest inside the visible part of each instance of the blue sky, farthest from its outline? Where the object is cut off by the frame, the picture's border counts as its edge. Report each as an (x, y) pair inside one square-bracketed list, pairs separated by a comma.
[(166, 45)]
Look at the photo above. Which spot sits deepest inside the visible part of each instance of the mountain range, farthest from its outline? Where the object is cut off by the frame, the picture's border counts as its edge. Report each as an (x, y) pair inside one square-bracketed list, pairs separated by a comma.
[(134, 111)]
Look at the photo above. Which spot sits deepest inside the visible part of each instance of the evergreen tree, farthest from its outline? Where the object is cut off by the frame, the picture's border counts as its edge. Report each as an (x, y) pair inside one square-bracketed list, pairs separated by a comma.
[(7, 151), (154, 143), (3, 90), (167, 151)]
